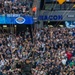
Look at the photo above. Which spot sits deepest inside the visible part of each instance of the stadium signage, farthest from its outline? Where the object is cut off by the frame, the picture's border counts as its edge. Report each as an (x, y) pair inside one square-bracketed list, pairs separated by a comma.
[(50, 17), (16, 19), (70, 24)]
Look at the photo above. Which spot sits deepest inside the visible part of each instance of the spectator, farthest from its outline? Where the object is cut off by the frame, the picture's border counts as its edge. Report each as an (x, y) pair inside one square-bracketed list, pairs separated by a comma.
[(15, 6), (51, 53)]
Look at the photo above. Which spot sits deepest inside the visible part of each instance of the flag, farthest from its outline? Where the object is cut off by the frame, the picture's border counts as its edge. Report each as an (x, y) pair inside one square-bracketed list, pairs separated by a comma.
[(61, 1)]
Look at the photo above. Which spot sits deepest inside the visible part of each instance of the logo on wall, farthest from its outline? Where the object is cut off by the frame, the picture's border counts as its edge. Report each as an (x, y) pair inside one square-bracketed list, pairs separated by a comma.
[(20, 20), (50, 17), (70, 24)]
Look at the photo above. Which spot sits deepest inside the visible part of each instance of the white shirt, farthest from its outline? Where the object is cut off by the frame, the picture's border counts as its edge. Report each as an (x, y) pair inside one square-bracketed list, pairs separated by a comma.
[(2, 62), (64, 61)]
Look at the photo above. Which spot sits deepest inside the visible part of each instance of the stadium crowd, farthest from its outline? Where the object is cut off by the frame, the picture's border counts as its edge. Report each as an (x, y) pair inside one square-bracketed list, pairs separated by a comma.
[(15, 6), (51, 53)]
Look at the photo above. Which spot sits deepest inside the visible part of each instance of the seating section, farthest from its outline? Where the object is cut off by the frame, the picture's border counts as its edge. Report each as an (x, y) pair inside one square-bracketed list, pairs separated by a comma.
[(15, 6)]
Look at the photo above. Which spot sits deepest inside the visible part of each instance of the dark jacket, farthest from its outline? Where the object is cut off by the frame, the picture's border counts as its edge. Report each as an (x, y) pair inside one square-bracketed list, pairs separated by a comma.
[(26, 67)]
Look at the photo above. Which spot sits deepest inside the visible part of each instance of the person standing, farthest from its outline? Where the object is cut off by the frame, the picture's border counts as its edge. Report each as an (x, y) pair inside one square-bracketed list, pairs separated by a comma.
[(26, 67)]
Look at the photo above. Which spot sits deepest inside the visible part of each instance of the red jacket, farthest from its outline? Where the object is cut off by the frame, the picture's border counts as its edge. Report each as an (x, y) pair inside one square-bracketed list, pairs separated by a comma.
[(69, 55)]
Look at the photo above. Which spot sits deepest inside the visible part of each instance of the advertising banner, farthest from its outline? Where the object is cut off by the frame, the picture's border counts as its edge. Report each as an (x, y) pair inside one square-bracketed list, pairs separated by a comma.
[(16, 19), (70, 24), (50, 17)]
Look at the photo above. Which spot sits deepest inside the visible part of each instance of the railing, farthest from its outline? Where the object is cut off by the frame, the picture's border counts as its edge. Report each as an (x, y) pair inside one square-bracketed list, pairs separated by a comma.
[(53, 6)]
